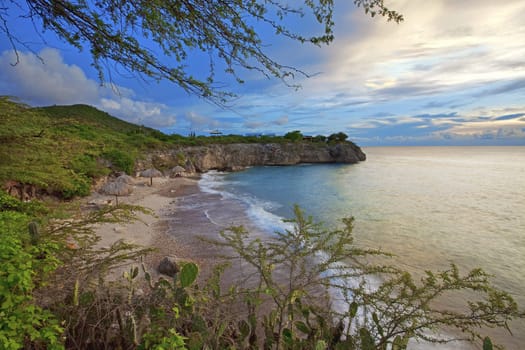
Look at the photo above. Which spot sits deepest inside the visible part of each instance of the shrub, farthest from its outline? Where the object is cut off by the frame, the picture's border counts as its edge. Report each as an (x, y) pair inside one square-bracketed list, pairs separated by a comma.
[(21, 320), (280, 301), (338, 137), (88, 165), (78, 185), (294, 136), (9, 203), (291, 270), (122, 161)]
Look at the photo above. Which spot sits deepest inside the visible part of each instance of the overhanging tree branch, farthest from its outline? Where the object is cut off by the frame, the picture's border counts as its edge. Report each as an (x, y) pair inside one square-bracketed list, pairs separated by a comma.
[(154, 38)]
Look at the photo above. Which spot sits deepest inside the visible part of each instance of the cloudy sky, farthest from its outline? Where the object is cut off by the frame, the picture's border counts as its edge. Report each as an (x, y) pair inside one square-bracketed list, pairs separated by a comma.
[(453, 73)]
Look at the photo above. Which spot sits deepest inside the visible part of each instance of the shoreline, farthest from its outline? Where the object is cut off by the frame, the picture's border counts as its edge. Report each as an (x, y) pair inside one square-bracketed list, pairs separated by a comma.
[(148, 231), (183, 214)]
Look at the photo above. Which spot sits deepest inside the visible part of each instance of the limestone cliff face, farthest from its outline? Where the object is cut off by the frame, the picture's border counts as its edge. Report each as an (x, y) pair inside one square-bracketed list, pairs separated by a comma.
[(238, 156)]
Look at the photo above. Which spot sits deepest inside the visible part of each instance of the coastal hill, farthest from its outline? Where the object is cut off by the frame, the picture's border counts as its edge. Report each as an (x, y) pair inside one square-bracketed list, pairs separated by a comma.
[(64, 150)]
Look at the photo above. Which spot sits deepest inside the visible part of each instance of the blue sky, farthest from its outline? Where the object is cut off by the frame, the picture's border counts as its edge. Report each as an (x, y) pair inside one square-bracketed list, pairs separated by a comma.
[(453, 73)]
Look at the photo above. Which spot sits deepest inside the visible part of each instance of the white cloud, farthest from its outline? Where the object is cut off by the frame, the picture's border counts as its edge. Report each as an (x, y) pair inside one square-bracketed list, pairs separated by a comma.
[(200, 122), (139, 112), (513, 127), (46, 79), (442, 46)]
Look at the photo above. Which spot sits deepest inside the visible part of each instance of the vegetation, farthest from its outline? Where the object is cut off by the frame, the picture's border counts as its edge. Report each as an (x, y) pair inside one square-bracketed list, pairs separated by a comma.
[(62, 149), (54, 293), (224, 32), (294, 136), (338, 137), (279, 301), (24, 266)]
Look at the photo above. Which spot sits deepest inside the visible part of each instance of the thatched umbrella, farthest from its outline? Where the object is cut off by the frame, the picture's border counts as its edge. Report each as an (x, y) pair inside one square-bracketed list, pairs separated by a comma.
[(117, 188), (178, 170), (151, 173), (125, 178)]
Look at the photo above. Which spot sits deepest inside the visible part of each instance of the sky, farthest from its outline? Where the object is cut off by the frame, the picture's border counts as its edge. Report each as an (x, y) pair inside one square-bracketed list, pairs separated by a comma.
[(453, 73)]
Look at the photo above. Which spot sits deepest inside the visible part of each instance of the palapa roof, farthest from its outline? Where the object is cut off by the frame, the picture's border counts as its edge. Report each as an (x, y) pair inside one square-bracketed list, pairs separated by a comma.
[(151, 173)]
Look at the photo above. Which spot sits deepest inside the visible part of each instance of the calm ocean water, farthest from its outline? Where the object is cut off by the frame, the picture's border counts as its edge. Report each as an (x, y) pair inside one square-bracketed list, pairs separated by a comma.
[(430, 206)]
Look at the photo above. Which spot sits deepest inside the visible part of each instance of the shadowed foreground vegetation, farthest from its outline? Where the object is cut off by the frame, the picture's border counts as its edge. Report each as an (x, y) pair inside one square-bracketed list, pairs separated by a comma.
[(55, 296), (55, 293)]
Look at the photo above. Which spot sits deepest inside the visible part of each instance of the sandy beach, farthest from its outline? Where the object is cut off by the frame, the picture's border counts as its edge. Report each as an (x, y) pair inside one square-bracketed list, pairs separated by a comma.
[(150, 231)]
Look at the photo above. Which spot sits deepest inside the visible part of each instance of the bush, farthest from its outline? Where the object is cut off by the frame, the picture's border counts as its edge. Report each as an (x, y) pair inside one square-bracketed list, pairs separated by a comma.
[(122, 161), (78, 185), (294, 136), (338, 137), (292, 269), (88, 165), (281, 301), (22, 322), (9, 203)]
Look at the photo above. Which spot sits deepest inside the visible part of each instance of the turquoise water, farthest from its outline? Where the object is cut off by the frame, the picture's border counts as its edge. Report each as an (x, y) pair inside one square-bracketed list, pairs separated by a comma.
[(428, 205)]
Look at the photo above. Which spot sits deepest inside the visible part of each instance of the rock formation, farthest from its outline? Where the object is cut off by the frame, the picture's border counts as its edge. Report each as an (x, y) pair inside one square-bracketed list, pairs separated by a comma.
[(232, 157)]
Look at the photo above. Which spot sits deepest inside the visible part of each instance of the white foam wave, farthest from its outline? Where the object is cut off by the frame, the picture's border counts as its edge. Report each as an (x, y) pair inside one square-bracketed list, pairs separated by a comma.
[(266, 220), (208, 216), (258, 211), (211, 182)]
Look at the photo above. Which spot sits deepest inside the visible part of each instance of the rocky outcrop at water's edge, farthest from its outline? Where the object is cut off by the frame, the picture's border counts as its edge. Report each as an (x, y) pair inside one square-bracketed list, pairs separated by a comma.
[(232, 157)]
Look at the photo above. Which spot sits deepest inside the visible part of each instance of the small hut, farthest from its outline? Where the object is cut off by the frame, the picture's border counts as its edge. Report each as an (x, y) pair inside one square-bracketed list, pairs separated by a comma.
[(177, 171), (117, 188), (126, 179), (151, 173)]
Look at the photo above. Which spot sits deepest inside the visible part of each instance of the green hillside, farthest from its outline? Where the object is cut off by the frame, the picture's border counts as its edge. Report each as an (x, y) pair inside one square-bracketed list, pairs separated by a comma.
[(62, 148)]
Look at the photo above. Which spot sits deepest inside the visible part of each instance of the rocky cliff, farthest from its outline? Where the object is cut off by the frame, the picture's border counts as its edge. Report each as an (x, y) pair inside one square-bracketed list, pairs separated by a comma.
[(238, 156)]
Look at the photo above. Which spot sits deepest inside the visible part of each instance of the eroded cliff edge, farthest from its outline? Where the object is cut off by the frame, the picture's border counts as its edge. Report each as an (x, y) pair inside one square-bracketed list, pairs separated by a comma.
[(240, 155)]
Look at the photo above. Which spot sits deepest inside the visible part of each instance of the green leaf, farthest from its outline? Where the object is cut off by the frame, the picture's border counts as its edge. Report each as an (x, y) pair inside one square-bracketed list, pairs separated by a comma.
[(287, 336), (375, 318), (321, 345), (300, 325), (244, 328), (188, 274), (399, 343), (367, 342), (353, 309), (487, 344), (134, 272)]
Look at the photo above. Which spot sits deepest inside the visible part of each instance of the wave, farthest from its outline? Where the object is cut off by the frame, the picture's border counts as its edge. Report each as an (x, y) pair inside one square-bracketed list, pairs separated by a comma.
[(257, 210)]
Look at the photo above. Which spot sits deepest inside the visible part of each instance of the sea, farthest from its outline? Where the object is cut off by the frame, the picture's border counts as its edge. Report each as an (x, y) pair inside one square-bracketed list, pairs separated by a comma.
[(429, 206)]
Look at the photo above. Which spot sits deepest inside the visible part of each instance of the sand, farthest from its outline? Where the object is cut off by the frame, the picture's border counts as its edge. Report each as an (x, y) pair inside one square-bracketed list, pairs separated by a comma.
[(151, 231)]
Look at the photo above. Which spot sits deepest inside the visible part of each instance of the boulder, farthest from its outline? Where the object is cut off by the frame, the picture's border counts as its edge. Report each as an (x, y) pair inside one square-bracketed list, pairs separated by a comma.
[(168, 266)]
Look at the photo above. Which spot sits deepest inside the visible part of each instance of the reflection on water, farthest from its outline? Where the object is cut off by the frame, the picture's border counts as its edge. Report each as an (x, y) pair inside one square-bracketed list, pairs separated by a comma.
[(430, 206)]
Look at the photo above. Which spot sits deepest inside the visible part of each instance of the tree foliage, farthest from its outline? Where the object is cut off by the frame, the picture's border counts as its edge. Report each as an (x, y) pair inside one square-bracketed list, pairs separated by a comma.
[(377, 307), (157, 39), (279, 298), (338, 137), (294, 136)]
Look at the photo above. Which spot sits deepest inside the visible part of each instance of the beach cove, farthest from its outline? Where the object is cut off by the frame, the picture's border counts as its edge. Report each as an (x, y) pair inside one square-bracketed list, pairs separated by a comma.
[(189, 208)]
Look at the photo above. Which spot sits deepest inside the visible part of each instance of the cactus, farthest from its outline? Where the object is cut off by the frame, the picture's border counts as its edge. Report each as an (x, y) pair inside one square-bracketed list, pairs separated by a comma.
[(34, 232), (76, 293), (133, 327), (188, 274)]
